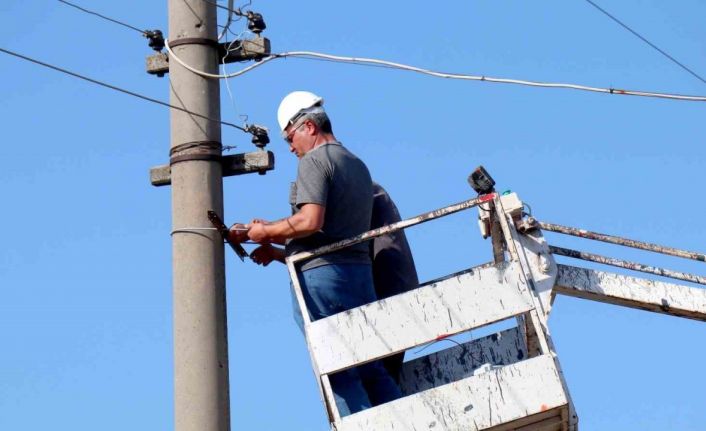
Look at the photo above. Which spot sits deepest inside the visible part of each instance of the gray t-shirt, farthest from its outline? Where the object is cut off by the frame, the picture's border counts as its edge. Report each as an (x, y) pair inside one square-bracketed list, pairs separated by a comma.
[(331, 176), (394, 271)]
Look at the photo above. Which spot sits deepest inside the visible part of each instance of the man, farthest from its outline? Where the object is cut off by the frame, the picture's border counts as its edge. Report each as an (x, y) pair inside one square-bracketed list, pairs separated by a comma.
[(394, 271), (332, 200), (393, 266)]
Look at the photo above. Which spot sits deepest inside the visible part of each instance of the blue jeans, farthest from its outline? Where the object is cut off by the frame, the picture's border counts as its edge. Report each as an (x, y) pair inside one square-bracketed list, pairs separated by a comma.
[(331, 289)]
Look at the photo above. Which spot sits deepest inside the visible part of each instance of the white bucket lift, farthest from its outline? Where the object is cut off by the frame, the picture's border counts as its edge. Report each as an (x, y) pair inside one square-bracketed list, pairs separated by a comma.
[(507, 381)]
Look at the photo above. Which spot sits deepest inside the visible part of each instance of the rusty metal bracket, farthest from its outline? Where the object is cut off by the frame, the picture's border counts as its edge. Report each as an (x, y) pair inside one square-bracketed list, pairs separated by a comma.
[(195, 156), (223, 230), (198, 150), (201, 145), (193, 41)]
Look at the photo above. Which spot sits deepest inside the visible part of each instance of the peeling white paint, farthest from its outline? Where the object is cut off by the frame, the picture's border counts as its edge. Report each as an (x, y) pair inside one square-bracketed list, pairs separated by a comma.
[(460, 361), (651, 295), (496, 398), (417, 317)]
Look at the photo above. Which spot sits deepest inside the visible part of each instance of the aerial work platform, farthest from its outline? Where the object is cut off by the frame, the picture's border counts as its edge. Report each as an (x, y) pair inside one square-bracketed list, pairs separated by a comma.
[(510, 380)]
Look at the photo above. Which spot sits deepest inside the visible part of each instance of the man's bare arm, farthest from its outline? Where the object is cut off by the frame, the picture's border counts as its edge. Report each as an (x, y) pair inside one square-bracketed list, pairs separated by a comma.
[(308, 220)]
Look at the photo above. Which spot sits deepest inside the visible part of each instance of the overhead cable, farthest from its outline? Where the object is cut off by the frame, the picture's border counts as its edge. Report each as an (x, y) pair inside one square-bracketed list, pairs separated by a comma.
[(233, 45), (375, 62), (144, 32), (639, 36), (256, 23), (229, 20), (156, 38), (131, 93), (229, 8), (173, 56)]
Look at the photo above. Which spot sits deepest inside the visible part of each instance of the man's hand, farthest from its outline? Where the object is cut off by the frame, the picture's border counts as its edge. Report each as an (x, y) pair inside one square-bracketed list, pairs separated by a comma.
[(265, 254), (308, 220), (257, 232), (238, 233)]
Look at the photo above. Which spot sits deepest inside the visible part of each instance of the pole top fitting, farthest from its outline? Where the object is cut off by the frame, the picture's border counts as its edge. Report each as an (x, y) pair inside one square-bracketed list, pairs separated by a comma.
[(156, 39)]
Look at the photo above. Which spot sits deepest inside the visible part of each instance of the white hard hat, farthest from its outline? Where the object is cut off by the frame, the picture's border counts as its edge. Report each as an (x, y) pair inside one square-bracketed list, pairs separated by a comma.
[(295, 103)]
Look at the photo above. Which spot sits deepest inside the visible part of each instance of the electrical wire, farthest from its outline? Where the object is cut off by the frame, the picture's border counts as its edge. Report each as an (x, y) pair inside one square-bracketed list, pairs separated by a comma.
[(229, 20), (225, 73), (143, 32), (639, 36), (213, 75), (190, 230), (431, 343), (112, 87), (237, 42), (230, 9), (224, 31), (310, 55), (528, 207), (371, 61)]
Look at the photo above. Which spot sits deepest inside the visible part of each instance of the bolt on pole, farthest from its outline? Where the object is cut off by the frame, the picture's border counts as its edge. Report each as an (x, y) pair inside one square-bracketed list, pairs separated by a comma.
[(201, 387)]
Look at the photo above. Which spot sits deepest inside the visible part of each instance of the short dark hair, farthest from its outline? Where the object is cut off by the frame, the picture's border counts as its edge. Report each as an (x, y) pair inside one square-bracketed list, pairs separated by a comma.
[(321, 120)]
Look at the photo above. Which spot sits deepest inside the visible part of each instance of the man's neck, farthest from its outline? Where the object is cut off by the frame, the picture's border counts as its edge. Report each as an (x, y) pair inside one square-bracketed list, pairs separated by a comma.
[(324, 138)]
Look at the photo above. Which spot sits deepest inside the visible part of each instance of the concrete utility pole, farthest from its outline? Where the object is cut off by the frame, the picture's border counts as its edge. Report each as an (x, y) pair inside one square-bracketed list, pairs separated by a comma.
[(201, 397)]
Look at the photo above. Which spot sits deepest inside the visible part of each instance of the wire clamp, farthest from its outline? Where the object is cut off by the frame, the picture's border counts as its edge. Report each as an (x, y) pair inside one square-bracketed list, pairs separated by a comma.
[(197, 150), (193, 41), (191, 157)]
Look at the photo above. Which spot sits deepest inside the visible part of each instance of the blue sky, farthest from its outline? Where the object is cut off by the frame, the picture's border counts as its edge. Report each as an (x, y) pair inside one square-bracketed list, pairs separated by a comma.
[(85, 266)]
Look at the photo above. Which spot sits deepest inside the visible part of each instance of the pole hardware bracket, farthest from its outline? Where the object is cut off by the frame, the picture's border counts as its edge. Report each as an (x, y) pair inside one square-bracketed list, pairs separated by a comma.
[(244, 50), (223, 230), (228, 52), (235, 164), (196, 150), (260, 138), (198, 156), (526, 225), (192, 41)]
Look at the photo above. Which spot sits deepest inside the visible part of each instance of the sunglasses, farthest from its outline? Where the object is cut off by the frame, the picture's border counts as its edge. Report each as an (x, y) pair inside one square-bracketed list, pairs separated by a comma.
[(290, 136)]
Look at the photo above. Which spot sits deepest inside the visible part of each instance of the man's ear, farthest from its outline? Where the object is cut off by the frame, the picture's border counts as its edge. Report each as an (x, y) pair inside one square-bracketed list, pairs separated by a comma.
[(311, 128)]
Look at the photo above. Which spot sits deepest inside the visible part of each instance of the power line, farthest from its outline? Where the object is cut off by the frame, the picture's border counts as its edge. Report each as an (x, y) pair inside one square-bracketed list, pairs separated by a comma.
[(625, 26), (255, 21), (156, 38), (112, 87), (310, 55), (230, 19), (237, 11), (237, 42), (143, 32)]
